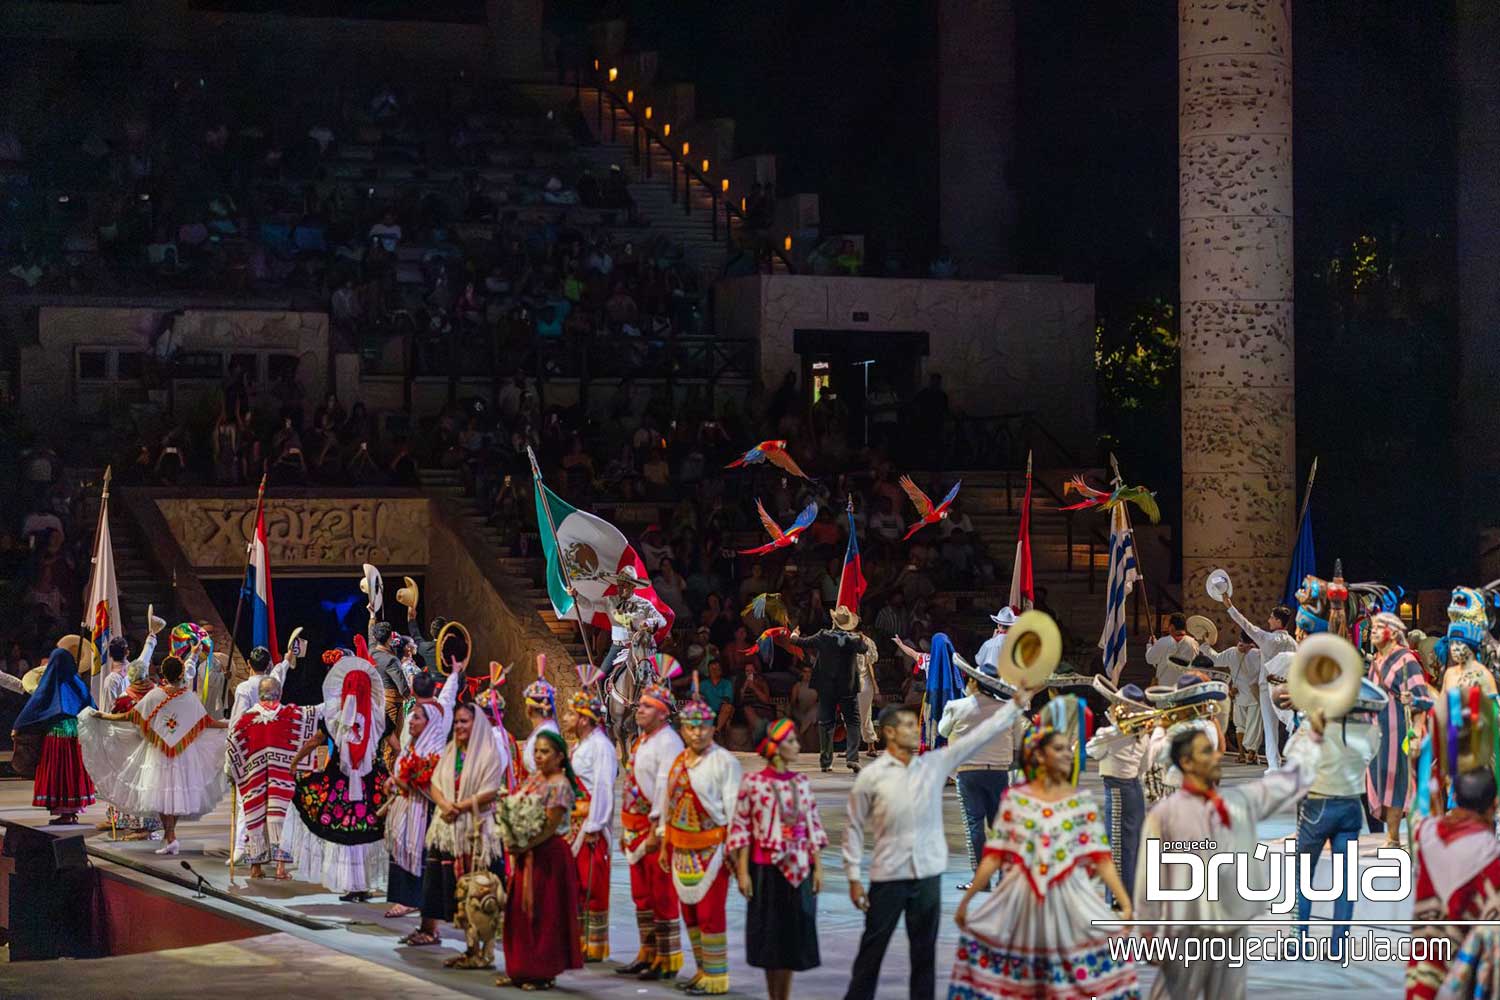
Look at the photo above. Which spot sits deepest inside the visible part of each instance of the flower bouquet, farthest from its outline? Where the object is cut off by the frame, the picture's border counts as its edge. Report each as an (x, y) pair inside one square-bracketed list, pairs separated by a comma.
[(519, 817)]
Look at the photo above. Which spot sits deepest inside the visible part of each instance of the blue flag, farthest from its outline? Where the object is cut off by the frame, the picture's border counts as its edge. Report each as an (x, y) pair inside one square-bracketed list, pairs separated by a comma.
[(1304, 560)]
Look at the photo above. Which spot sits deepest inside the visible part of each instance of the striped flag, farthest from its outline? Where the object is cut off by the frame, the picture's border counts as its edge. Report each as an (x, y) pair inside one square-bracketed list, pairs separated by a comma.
[(258, 589), (1122, 577), (101, 605)]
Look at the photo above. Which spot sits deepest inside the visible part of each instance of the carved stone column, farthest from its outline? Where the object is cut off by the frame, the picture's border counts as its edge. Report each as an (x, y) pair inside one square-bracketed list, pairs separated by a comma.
[(1234, 84)]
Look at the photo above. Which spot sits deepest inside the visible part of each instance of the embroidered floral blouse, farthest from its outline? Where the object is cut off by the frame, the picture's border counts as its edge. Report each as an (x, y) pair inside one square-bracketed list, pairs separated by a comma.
[(555, 793), (776, 816), (1047, 840)]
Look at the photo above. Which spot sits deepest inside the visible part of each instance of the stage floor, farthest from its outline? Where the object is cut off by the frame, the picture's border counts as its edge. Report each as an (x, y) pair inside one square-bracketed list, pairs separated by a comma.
[(352, 947)]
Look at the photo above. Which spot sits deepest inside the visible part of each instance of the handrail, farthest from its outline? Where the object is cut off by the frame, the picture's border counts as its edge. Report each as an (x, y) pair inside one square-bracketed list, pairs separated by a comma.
[(690, 172)]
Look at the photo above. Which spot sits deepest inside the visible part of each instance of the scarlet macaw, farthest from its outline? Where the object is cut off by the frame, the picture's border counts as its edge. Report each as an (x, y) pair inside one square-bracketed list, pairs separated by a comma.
[(774, 636), (781, 539), (928, 513), (772, 451)]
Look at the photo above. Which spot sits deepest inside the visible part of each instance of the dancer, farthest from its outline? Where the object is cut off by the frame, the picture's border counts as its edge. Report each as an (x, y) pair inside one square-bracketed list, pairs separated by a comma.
[(1458, 878), (776, 838), (246, 695), (491, 701), (410, 806), (1119, 755), (1034, 936), (542, 937), (541, 712), (463, 790), (900, 798), (836, 683), (596, 763), (1398, 672), (263, 741), (336, 833), (62, 785), (119, 653), (697, 805), (1242, 663), (393, 684), (1172, 653), (983, 779), (1334, 811), (656, 907), (943, 684), (169, 762), (126, 826), (1224, 822), (1271, 641), (864, 666)]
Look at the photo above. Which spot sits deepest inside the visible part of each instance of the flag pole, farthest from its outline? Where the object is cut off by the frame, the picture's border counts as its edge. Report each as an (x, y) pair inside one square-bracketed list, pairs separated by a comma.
[(234, 633), (1118, 482), (562, 564), (95, 665)]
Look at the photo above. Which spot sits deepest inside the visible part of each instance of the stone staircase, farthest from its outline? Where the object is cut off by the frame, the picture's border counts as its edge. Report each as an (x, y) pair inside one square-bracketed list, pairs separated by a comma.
[(525, 574)]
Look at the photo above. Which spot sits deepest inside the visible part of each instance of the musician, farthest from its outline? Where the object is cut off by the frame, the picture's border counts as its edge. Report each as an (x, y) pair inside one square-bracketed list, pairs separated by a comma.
[(989, 652), (1272, 640), (982, 780), (1119, 755), (1172, 653)]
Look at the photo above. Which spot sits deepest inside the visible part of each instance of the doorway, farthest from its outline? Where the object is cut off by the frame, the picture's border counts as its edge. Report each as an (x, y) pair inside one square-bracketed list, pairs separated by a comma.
[(861, 377)]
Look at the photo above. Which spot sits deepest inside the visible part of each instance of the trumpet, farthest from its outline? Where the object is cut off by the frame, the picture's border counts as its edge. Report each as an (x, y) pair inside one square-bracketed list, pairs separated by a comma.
[(441, 666), (1145, 720)]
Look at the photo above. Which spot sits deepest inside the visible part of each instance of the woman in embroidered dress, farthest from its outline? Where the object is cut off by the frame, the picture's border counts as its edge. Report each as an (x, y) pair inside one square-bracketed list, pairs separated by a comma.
[(171, 762), (126, 826), (541, 913), (1032, 936), (62, 784), (776, 837), (336, 832), (410, 806), (464, 786)]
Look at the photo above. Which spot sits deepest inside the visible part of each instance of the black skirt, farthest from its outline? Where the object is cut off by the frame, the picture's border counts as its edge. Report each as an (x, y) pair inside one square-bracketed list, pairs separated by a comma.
[(402, 887), (781, 925), (439, 884)]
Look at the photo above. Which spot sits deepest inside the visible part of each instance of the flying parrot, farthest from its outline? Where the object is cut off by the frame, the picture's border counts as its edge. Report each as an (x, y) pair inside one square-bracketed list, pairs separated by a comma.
[(772, 451), (928, 513), (781, 539), (767, 608), (774, 636), (1110, 499)]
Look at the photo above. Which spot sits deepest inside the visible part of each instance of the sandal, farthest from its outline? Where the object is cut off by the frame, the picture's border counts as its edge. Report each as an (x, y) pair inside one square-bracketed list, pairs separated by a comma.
[(419, 939), (399, 910), (533, 985)]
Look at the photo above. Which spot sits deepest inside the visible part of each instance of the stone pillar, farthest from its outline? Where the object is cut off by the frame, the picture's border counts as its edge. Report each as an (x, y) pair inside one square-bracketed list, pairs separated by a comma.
[(1478, 77), (1234, 83), (977, 133)]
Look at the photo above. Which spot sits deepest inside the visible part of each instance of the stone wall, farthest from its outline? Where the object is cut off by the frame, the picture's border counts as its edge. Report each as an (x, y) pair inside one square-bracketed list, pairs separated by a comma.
[(1000, 346), (1235, 195)]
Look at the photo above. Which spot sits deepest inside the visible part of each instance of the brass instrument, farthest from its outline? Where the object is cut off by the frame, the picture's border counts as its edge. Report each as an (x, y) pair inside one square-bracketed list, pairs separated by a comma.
[(441, 667), (1143, 721)]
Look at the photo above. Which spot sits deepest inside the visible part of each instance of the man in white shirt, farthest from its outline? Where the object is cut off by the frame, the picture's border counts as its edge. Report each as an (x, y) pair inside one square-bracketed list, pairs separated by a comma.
[(596, 763), (899, 797), (989, 653), (1172, 653), (118, 654), (656, 905), (983, 779), (1272, 640), (1242, 663), (1333, 812), (1119, 756), (247, 691)]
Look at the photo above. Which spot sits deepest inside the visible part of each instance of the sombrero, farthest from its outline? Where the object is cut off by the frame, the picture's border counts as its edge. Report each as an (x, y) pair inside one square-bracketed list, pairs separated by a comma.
[(1190, 690)]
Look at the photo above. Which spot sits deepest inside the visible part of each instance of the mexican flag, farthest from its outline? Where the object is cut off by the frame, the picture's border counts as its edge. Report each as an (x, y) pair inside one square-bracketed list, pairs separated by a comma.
[(594, 553)]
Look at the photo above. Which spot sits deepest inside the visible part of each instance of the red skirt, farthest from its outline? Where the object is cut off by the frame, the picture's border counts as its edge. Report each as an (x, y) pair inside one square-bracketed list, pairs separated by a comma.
[(541, 914), (61, 783)]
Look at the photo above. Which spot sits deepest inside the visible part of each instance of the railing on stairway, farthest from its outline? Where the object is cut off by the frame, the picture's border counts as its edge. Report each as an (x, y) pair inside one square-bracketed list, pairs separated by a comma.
[(644, 134)]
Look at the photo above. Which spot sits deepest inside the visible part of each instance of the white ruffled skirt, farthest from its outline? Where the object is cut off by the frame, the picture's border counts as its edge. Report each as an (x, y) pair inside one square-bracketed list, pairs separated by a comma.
[(137, 778), (339, 868)]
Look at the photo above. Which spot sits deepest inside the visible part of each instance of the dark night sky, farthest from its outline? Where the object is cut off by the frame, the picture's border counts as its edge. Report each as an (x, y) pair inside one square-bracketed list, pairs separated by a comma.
[(846, 93)]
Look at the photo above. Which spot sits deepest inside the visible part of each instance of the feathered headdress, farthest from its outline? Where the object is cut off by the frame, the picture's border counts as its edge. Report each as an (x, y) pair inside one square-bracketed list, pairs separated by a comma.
[(1070, 716), (1110, 499), (695, 711), (539, 693), (585, 701)]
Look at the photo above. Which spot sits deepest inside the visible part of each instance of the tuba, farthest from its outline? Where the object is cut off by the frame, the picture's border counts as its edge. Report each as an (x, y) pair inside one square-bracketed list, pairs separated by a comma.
[(1032, 650), (1325, 675), (441, 666)]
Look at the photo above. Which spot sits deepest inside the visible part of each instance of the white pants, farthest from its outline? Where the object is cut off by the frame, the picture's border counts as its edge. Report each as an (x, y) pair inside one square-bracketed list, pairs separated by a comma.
[(1268, 725), (1247, 723), (866, 707)]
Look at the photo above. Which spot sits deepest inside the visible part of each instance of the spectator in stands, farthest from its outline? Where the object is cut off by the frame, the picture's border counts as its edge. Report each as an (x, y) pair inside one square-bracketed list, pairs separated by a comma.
[(718, 691), (387, 232), (895, 618), (16, 664), (803, 706), (885, 527), (755, 698), (671, 587)]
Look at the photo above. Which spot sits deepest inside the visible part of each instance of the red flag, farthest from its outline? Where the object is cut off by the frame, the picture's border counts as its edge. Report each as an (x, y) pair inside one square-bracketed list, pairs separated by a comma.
[(852, 580), (1022, 586)]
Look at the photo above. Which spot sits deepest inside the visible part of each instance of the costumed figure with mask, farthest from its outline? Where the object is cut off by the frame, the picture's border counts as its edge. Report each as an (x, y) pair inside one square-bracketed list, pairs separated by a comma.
[(597, 764), (1398, 673), (409, 806), (698, 803), (983, 778), (1119, 752), (263, 740), (164, 756), (336, 833), (541, 712), (62, 784), (1034, 935)]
